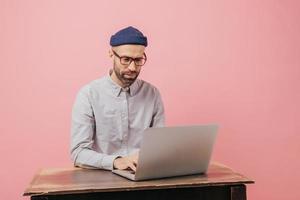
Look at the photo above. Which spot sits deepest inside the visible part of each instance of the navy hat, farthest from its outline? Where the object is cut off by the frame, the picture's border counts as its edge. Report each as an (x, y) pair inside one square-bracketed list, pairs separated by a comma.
[(128, 35)]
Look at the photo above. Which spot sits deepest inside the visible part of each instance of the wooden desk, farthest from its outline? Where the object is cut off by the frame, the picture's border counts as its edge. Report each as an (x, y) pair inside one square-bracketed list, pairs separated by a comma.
[(220, 182)]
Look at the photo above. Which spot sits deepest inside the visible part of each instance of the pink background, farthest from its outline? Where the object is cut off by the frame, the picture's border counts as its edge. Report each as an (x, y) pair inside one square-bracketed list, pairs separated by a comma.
[(234, 62)]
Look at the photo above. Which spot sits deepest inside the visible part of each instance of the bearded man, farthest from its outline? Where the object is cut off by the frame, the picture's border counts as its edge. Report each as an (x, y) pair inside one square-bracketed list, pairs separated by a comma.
[(110, 113)]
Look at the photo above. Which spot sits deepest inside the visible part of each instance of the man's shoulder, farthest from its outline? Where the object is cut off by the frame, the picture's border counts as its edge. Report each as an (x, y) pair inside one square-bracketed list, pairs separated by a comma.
[(146, 86), (96, 83)]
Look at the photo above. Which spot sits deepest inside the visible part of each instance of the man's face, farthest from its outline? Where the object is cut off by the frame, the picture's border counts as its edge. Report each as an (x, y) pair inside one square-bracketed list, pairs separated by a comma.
[(126, 74)]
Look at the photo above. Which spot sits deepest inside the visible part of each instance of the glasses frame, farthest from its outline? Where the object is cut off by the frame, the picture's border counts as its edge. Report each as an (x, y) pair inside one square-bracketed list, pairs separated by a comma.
[(131, 59)]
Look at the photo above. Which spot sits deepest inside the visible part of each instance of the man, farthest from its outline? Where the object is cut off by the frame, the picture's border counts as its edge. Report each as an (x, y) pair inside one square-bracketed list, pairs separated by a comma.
[(110, 114)]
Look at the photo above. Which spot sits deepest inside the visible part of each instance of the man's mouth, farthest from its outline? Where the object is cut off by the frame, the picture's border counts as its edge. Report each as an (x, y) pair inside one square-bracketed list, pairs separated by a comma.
[(130, 76)]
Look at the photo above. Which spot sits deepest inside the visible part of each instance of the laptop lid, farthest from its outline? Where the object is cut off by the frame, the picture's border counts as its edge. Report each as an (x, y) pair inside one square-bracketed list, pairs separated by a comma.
[(175, 151)]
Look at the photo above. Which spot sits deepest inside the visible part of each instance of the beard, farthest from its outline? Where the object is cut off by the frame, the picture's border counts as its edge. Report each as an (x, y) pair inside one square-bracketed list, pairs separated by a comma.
[(127, 77)]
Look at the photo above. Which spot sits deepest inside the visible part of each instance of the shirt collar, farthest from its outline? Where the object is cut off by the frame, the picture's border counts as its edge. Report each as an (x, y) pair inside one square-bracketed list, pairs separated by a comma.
[(116, 89)]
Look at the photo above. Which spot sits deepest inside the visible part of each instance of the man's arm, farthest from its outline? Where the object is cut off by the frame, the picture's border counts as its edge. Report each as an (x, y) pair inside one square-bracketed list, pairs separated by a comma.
[(82, 134), (158, 119)]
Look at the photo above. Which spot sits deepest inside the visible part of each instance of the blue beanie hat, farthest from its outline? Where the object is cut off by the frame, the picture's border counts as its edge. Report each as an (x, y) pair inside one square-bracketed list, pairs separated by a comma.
[(128, 35)]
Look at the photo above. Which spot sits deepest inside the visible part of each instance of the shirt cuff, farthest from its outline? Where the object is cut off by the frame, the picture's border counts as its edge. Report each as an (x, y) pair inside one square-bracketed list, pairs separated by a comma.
[(108, 161)]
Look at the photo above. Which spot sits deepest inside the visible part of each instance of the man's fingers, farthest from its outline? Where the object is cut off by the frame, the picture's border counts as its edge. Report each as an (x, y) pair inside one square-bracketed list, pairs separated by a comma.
[(126, 162), (132, 166), (134, 158), (134, 162)]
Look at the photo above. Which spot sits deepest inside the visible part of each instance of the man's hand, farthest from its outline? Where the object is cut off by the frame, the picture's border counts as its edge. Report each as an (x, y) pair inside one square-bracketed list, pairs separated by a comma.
[(127, 162)]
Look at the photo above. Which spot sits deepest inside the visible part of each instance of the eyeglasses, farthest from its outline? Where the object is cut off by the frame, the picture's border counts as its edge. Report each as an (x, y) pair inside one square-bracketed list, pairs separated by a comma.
[(125, 60)]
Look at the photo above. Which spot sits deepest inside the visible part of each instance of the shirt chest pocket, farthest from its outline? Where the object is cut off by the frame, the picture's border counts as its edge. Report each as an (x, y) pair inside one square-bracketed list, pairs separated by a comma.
[(108, 126)]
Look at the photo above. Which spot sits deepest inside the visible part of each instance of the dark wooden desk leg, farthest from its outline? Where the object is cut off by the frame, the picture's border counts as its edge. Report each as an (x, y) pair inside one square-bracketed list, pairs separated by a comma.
[(238, 192)]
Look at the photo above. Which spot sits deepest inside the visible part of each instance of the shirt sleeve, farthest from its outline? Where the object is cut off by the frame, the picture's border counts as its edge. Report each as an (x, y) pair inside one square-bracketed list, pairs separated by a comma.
[(158, 119), (82, 134)]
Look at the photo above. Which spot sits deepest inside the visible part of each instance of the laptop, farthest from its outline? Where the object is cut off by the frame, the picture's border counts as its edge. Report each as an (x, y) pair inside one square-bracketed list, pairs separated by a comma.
[(173, 151)]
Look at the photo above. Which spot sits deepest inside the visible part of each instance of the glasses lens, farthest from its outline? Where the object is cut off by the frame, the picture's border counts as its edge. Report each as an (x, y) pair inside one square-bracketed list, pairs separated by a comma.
[(125, 60), (140, 61)]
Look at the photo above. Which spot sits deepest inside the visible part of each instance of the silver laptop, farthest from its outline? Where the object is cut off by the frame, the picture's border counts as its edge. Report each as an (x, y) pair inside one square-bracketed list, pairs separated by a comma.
[(173, 151)]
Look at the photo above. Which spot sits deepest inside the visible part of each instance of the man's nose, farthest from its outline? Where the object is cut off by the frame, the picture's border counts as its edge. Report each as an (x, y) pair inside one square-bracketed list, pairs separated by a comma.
[(132, 66)]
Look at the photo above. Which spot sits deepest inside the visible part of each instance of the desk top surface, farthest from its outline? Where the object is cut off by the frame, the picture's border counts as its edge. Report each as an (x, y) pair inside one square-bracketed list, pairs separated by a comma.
[(76, 180)]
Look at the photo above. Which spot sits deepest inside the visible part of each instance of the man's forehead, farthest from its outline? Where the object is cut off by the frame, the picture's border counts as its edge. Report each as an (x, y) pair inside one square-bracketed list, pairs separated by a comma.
[(130, 49)]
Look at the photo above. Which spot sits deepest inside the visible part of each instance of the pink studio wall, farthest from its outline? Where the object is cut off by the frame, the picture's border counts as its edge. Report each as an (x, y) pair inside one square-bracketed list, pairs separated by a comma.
[(234, 62)]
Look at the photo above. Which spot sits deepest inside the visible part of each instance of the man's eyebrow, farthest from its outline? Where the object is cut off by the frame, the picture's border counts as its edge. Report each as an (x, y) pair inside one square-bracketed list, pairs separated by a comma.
[(142, 56)]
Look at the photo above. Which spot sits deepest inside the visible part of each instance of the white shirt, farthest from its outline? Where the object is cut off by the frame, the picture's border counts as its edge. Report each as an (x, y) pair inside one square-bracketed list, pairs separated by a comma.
[(108, 121)]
